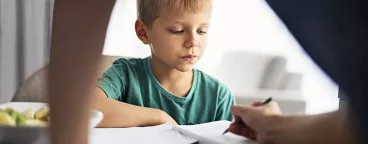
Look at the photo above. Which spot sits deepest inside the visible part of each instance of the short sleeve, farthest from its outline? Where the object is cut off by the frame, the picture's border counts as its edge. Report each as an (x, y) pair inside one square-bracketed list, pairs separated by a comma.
[(112, 81), (226, 101)]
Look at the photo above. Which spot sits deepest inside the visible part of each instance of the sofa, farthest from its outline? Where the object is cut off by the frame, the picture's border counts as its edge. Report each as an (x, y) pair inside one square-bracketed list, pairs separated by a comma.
[(255, 76)]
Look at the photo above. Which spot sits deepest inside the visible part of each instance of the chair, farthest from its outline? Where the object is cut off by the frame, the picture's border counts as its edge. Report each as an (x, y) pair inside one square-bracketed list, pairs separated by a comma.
[(34, 88)]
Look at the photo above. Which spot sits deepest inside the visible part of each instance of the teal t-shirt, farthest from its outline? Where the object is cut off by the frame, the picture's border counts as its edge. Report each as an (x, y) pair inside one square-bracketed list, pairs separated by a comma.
[(132, 81)]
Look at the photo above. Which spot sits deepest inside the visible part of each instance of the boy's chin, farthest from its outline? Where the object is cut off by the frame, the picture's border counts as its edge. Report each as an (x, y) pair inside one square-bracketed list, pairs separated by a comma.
[(185, 68)]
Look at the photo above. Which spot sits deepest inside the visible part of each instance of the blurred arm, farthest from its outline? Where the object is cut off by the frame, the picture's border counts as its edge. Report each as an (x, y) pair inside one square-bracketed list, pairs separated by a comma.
[(78, 35)]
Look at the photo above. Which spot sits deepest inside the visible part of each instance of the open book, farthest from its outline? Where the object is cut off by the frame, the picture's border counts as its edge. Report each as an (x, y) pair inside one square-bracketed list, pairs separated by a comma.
[(211, 133), (207, 133)]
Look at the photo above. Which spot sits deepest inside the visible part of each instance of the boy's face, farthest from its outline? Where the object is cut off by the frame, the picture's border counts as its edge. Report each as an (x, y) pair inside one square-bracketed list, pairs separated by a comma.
[(178, 39)]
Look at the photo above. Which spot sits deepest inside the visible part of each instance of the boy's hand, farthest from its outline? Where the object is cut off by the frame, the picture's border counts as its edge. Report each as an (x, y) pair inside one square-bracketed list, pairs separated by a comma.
[(261, 121), (166, 118)]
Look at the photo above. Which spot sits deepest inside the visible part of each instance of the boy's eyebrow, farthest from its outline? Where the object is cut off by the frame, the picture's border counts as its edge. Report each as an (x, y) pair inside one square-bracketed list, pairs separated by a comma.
[(202, 24), (178, 22)]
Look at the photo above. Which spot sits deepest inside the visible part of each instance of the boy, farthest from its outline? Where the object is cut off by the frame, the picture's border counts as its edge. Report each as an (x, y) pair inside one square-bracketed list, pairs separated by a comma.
[(164, 88)]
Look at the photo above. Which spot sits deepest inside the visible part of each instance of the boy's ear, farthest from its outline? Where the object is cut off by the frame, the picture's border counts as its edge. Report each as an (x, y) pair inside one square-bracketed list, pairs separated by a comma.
[(141, 31)]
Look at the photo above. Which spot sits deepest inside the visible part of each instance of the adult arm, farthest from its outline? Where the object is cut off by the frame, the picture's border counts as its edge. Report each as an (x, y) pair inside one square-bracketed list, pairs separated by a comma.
[(78, 34), (273, 127)]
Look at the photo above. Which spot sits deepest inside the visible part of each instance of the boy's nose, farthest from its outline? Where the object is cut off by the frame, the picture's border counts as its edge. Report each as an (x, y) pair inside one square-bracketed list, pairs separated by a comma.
[(191, 45), (191, 42)]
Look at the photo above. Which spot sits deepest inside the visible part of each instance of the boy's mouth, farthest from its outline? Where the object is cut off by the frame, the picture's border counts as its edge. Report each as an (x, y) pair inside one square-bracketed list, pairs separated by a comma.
[(189, 57)]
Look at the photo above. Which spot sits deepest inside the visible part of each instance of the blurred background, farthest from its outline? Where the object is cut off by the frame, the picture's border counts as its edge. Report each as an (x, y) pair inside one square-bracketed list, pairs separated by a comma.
[(249, 49)]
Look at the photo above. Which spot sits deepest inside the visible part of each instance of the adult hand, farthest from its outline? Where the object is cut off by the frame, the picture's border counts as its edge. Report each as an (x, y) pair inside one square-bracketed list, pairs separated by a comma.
[(267, 125), (261, 122)]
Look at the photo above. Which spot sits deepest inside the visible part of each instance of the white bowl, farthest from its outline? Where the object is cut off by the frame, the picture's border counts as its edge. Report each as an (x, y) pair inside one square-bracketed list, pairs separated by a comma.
[(24, 134)]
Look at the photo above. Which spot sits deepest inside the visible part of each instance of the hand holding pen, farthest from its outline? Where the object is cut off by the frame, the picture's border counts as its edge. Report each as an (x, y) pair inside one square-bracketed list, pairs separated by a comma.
[(249, 120)]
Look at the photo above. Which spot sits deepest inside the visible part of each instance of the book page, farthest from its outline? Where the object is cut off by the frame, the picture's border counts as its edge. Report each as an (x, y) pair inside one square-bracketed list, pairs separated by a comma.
[(162, 134), (211, 133)]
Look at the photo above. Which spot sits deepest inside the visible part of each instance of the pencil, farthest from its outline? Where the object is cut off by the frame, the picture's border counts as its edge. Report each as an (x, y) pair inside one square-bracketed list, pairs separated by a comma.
[(242, 123)]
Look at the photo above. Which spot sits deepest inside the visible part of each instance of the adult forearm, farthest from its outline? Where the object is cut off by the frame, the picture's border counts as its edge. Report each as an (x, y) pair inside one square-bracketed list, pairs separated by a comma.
[(78, 35), (329, 128)]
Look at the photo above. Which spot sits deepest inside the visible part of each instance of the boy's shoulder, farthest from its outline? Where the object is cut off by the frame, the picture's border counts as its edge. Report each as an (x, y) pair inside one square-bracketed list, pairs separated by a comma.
[(129, 62), (209, 81), (124, 65)]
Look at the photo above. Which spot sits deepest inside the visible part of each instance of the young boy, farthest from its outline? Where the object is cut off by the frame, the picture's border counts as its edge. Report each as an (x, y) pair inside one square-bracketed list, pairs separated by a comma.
[(165, 88)]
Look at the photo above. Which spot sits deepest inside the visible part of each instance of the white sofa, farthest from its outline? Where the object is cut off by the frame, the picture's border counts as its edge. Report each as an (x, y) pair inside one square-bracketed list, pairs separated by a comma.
[(255, 76)]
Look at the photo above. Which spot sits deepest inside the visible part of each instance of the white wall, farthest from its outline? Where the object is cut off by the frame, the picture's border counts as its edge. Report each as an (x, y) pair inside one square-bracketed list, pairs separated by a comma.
[(248, 25)]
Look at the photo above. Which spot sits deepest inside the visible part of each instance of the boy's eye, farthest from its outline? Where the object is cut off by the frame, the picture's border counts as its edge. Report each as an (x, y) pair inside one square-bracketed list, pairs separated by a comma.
[(202, 32), (176, 32)]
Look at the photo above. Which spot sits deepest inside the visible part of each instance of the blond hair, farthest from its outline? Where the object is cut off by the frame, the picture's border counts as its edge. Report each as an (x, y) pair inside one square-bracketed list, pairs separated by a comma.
[(149, 10)]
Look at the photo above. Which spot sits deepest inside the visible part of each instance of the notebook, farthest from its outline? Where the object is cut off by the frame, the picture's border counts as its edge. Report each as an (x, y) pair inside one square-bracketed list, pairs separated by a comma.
[(211, 133), (207, 133)]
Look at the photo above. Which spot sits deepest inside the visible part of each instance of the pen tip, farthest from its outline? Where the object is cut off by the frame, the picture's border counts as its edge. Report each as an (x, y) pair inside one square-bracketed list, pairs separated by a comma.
[(225, 132)]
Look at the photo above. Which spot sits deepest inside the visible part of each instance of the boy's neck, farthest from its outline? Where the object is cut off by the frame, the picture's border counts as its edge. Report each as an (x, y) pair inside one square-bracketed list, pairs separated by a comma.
[(170, 78)]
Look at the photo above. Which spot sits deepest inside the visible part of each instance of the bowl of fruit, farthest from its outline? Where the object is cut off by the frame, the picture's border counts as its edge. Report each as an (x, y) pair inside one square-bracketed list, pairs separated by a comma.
[(27, 122)]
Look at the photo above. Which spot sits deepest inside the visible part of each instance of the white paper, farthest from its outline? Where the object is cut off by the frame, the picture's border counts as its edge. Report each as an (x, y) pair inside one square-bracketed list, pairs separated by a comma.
[(211, 133), (162, 134), (207, 133)]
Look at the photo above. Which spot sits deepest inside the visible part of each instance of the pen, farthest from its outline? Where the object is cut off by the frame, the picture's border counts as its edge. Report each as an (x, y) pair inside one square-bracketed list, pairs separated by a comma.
[(242, 123)]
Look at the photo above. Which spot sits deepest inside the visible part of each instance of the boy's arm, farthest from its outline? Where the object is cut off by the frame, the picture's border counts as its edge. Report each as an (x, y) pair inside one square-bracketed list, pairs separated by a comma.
[(108, 97), (120, 114)]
